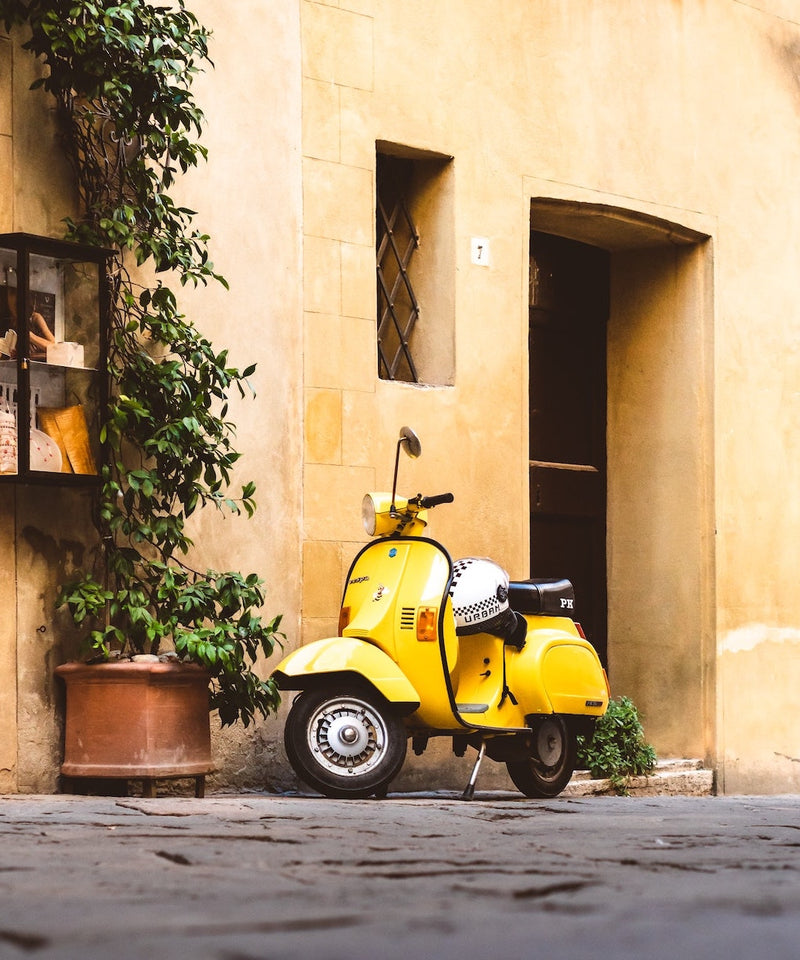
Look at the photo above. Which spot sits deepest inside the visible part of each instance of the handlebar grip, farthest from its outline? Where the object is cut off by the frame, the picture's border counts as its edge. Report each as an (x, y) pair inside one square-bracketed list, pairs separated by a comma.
[(426, 502)]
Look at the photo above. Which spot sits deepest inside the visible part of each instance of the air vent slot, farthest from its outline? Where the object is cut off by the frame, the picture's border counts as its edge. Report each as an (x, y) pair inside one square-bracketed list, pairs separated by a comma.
[(407, 618)]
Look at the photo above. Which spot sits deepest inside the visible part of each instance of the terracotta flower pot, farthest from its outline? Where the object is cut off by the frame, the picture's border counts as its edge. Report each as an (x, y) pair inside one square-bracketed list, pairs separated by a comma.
[(131, 720)]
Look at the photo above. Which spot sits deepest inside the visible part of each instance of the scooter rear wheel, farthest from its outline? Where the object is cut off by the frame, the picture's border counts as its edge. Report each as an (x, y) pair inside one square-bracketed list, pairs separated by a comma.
[(344, 742), (547, 773)]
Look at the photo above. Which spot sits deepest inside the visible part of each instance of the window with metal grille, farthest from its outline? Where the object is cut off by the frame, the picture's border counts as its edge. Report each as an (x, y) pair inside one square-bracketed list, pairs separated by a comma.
[(397, 241), (414, 255)]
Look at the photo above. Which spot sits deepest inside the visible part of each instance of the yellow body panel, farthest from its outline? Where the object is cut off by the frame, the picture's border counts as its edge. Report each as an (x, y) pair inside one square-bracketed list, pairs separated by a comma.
[(478, 691), (558, 670), (555, 672), (391, 582), (336, 655)]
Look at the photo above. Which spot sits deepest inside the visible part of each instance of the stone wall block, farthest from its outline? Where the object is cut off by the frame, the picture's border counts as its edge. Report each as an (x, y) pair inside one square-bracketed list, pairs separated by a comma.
[(323, 426), (338, 202), (322, 573), (322, 275), (337, 46), (321, 120), (333, 498)]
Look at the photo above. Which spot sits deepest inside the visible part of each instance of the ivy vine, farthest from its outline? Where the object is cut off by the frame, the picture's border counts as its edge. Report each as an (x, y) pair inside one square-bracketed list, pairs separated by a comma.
[(121, 73)]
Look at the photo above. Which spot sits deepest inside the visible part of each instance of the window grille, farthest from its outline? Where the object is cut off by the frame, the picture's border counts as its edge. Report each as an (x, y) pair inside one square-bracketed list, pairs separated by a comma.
[(398, 309)]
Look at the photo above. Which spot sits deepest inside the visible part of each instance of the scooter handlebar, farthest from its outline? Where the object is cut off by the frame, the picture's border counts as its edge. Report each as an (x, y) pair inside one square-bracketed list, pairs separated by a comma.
[(427, 502)]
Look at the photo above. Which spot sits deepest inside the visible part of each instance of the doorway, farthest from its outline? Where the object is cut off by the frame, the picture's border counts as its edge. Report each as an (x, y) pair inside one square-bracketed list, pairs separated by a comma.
[(657, 480), (568, 321)]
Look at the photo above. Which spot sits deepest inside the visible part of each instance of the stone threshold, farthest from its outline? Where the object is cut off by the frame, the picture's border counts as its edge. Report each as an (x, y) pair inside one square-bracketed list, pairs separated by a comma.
[(670, 778)]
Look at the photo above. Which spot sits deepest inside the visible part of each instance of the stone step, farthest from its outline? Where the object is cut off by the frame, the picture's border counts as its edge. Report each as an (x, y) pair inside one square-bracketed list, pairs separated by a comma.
[(670, 778)]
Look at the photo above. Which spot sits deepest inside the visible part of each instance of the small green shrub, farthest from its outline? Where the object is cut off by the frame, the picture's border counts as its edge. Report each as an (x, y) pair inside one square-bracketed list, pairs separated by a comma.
[(618, 750)]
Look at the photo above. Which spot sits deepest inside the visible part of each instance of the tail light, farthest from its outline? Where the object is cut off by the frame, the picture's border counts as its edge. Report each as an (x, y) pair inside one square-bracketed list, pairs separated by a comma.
[(579, 628)]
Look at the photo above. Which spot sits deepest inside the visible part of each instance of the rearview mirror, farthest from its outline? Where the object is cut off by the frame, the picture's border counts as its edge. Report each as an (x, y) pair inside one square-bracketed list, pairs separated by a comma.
[(411, 442)]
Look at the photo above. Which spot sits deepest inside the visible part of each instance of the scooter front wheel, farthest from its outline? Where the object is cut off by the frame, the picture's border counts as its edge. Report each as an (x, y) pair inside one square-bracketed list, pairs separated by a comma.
[(344, 742), (547, 772)]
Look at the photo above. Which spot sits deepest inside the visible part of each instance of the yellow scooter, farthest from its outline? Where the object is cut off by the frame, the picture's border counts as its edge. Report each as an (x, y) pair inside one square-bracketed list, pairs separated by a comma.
[(428, 647)]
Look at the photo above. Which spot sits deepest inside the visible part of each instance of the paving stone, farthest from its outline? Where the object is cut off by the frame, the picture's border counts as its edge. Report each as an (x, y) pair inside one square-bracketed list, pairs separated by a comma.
[(264, 877)]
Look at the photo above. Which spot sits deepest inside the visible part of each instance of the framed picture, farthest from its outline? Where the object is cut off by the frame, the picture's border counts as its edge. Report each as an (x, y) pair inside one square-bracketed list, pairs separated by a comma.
[(45, 304), (41, 302)]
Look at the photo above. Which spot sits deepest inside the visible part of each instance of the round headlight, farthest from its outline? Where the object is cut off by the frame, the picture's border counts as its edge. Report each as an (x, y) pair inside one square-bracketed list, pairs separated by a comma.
[(368, 515)]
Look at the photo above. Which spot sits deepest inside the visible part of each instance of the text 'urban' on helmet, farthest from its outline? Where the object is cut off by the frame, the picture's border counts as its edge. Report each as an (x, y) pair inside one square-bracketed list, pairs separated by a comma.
[(479, 593)]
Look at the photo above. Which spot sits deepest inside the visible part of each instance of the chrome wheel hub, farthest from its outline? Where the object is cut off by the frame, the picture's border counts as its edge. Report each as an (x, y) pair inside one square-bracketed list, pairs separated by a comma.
[(347, 736)]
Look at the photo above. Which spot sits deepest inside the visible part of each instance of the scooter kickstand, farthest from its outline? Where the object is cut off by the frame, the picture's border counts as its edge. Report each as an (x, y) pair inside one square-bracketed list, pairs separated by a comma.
[(469, 791)]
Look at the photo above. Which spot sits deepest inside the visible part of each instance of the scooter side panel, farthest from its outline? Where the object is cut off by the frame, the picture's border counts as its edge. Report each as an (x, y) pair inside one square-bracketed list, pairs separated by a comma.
[(345, 655), (574, 680), (557, 671)]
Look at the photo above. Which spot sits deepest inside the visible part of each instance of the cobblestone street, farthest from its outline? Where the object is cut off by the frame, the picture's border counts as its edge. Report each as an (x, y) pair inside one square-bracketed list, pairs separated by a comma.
[(257, 877)]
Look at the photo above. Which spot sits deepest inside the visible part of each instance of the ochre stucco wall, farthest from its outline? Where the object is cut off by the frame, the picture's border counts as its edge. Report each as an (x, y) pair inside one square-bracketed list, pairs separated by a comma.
[(682, 112), (44, 534), (249, 198), (670, 134)]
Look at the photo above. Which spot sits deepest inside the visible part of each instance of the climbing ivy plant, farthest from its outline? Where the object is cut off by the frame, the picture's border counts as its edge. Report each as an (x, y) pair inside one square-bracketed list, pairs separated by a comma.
[(121, 73)]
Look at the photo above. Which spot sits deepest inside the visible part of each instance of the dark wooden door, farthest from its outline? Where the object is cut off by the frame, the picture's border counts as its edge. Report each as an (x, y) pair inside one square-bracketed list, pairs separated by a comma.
[(569, 301)]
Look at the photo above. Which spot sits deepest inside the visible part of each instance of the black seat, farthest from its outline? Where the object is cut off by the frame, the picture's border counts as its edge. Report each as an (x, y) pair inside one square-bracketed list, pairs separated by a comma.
[(553, 597)]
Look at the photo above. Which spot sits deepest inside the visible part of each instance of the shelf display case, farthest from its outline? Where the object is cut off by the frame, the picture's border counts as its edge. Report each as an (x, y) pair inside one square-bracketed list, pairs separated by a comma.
[(53, 344)]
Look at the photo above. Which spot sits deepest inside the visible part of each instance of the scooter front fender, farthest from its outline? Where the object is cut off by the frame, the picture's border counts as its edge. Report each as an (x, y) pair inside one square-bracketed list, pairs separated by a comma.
[(325, 660)]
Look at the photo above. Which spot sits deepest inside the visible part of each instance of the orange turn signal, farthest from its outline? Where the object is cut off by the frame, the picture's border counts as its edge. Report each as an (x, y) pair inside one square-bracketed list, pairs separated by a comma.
[(426, 623), (344, 619)]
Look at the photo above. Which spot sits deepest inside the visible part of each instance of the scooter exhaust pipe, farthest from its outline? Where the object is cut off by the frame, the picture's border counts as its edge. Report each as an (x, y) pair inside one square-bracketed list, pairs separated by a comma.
[(469, 791)]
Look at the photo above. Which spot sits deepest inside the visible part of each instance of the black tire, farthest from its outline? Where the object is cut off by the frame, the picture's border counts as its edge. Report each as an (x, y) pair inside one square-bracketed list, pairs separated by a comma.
[(549, 771), (344, 742)]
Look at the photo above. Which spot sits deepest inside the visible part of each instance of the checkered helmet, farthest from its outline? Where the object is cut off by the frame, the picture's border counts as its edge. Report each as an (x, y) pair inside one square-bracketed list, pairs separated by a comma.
[(479, 591)]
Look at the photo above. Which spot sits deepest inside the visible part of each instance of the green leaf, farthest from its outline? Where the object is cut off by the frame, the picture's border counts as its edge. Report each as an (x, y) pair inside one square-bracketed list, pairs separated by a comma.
[(618, 750)]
